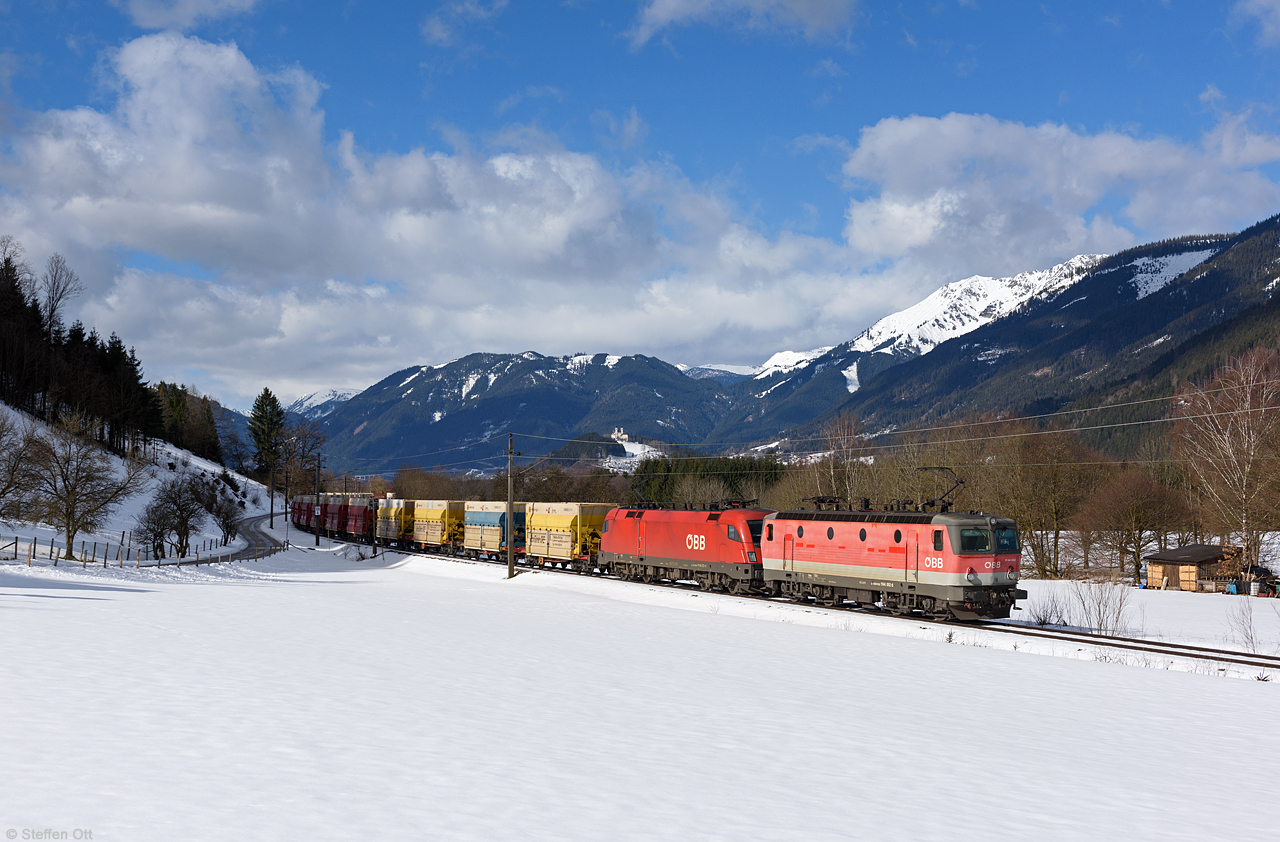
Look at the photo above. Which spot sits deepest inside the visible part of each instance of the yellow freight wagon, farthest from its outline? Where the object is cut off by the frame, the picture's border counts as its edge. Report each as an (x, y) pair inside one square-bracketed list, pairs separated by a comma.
[(395, 521), (565, 532), (437, 523)]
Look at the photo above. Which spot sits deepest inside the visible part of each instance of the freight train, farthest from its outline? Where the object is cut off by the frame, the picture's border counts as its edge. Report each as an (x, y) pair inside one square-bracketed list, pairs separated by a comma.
[(958, 565)]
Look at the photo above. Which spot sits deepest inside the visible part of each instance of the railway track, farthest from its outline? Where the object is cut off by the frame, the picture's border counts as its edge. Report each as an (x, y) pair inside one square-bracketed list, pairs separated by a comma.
[(1137, 644), (1234, 657)]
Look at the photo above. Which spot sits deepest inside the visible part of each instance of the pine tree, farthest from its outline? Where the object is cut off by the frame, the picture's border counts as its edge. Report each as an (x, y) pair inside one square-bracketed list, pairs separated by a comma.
[(266, 427)]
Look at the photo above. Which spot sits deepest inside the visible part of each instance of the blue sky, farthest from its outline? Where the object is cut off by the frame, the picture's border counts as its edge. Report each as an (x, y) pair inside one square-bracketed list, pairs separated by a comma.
[(311, 195)]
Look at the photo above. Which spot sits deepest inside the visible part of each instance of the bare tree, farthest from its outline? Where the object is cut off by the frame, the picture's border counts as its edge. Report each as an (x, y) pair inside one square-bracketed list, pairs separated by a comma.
[(74, 484), (229, 516), (177, 509), (1129, 514), (696, 491), (58, 285), (1104, 605), (1228, 431), (15, 451), (1045, 479), (12, 251), (151, 528), (847, 471), (300, 446)]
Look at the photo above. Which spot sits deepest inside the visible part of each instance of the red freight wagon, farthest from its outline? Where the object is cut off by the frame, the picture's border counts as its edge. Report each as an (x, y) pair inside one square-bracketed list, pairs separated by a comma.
[(718, 549), (335, 514), (362, 517)]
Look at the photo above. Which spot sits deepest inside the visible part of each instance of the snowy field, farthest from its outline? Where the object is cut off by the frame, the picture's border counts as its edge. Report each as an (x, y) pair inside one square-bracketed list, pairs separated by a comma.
[(321, 698)]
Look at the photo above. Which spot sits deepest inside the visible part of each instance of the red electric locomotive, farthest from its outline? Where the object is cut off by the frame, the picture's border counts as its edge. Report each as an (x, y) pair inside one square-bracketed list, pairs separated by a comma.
[(963, 565), (719, 548)]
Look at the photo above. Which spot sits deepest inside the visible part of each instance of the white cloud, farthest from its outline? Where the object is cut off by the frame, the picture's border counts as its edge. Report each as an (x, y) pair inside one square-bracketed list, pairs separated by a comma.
[(813, 18), (443, 27), (627, 132), (1268, 14), (180, 14), (532, 92), (331, 265), (998, 196)]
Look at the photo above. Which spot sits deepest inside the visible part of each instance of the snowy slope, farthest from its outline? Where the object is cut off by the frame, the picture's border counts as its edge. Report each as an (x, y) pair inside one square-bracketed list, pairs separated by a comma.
[(316, 698), (319, 404), (170, 462), (963, 306), (1152, 274)]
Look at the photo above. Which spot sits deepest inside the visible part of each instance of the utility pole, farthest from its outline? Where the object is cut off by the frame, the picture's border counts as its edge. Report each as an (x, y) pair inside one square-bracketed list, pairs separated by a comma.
[(511, 530), (318, 498), (288, 515)]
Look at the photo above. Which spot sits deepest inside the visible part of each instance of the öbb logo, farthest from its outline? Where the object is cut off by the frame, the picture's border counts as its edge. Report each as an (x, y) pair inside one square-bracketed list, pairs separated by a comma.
[(695, 542)]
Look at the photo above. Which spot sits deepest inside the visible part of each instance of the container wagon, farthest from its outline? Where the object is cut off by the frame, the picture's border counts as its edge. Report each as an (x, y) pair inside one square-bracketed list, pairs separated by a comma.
[(565, 534), (485, 527), (438, 524)]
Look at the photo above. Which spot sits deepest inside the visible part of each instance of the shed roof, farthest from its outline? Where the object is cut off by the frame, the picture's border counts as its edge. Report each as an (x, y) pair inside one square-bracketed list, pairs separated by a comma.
[(1191, 554)]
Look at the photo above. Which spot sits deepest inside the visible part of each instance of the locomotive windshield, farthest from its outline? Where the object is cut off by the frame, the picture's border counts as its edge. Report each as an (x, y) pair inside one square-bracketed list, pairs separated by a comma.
[(756, 527), (979, 540), (975, 541)]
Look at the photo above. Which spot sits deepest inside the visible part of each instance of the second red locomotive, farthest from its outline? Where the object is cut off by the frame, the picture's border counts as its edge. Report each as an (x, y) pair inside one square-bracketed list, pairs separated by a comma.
[(719, 548)]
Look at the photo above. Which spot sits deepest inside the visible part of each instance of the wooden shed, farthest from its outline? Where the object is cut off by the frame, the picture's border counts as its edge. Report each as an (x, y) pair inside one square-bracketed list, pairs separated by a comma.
[(1197, 567)]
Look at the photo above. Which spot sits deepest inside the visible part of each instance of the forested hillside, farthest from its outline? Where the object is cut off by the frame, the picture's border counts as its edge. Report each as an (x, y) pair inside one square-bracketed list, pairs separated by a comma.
[(49, 370)]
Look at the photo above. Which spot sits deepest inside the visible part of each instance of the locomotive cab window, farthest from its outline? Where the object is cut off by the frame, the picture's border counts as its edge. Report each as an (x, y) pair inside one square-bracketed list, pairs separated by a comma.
[(937, 540), (1006, 540), (975, 541), (606, 525), (733, 533), (769, 531), (756, 526)]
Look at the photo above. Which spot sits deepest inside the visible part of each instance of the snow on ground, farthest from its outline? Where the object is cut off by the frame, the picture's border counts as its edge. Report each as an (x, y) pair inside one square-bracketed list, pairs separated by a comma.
[(317, 697)]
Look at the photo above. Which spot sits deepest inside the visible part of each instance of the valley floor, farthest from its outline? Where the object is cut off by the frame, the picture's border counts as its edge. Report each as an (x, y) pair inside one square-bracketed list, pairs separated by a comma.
[(319, 697)]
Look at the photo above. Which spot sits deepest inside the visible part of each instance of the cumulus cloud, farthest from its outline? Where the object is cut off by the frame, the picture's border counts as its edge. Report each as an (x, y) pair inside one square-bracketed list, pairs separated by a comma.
[(1267, 13), (1000, 196), (325, 265), (180, 14), (813, 18)]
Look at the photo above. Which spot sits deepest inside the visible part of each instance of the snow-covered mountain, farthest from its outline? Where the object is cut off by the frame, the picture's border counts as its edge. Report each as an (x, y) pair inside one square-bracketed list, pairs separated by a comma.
[(953, 310), (963, 306), (458, 412), (319, 404)]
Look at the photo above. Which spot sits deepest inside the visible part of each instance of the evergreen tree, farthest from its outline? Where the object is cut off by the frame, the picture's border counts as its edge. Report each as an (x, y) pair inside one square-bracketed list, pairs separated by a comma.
[(266, 428)]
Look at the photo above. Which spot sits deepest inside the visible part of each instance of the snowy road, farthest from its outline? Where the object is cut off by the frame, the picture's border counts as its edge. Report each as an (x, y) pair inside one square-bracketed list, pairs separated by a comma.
[(311, 697)]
